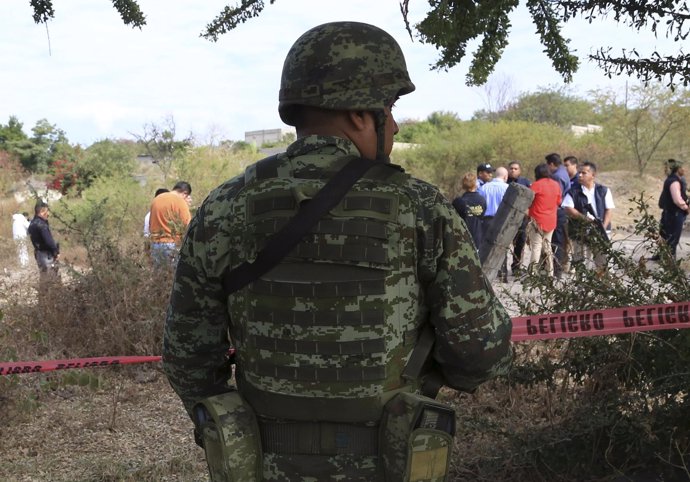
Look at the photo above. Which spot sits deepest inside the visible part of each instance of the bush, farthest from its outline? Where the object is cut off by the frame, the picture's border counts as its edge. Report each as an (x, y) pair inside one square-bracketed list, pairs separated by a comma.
[(11, 171), (114, 302), (623, 400)]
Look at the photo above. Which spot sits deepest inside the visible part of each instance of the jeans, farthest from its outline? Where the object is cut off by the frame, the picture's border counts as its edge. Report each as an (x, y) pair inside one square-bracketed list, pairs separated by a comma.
[(164, 254)]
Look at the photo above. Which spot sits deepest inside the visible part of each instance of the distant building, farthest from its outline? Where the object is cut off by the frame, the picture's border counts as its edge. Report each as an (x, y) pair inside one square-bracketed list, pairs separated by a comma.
[(582, 130), (404, 145), (267, 136)]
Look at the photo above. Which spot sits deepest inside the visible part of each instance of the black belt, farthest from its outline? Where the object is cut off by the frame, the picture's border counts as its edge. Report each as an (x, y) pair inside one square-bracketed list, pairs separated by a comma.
[(318, 438)]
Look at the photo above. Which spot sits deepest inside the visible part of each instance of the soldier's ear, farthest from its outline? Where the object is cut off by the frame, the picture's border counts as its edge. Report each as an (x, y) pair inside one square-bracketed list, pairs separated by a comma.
[(361, 120)]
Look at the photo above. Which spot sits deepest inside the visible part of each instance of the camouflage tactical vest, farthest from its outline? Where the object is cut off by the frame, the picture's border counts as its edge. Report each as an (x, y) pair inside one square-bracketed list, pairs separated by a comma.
[(325, 334)]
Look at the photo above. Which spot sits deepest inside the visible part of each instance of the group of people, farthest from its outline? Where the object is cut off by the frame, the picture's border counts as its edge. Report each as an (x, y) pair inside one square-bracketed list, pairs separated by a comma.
[(164, 228), (569, 216)]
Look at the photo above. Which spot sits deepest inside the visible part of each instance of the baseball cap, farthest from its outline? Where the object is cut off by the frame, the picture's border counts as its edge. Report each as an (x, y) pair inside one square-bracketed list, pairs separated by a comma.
[(485, 167)]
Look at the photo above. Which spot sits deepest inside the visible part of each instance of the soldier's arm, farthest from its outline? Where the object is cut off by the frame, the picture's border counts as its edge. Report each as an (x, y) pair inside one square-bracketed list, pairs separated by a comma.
[(472, 327), (196, 343)]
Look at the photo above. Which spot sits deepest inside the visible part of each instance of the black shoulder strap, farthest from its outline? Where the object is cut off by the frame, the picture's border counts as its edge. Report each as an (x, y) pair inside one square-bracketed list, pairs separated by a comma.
[(282, 242)]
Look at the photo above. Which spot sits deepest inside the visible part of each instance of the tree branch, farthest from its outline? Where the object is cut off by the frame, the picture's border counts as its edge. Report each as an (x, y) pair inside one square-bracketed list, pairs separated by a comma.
[(656, 67), (231, 17), (549, 30), (130, 12)]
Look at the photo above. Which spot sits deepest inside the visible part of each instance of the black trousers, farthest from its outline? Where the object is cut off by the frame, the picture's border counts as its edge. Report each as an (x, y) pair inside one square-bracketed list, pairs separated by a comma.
[(559, 240), (518, 246), (672, 227)]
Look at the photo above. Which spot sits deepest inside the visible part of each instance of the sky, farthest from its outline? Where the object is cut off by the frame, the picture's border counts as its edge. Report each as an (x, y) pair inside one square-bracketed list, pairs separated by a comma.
[(95, 78)]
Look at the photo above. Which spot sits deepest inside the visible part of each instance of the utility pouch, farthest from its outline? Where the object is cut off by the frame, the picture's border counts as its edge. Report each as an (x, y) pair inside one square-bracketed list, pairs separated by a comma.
[(230, 436), (416, 439)]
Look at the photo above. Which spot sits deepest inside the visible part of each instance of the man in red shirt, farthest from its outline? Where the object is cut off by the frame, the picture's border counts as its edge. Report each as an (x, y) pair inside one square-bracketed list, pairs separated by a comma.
[(542, 216)]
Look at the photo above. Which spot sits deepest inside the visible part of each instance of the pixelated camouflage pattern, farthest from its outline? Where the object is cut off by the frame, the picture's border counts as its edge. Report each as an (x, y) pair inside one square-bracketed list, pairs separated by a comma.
[(313, 468), (431, 261), (409, 454), (231, 439), (343, 65), (429, 456)]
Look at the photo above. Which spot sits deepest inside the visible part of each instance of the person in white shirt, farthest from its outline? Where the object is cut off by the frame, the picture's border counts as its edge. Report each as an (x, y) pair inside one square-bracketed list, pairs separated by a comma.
[(585, 204), (20, 225), (147, 218)]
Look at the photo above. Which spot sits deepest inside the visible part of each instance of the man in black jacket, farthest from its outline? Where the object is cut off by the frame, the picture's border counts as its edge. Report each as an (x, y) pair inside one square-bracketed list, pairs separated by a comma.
[(46, 250)]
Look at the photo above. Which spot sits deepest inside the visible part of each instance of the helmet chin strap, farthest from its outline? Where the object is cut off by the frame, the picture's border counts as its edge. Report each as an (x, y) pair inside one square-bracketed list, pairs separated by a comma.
[(380, 119)]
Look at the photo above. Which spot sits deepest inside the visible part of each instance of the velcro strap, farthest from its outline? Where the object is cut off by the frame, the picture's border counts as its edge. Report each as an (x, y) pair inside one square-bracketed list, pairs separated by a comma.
[(354, 374), (320, 290), (318, 438), (421, 353), (312, 347)]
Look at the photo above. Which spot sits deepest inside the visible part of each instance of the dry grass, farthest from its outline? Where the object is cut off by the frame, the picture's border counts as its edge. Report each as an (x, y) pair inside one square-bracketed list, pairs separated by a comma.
[(123, 431)]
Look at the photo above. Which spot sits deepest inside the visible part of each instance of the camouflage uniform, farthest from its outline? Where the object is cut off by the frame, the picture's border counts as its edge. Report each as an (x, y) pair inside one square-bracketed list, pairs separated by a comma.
[(446, 285), (322, 339)]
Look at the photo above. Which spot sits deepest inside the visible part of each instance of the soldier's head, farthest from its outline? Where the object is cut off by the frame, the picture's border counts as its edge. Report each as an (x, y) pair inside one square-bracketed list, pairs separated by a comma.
[(342, 78)]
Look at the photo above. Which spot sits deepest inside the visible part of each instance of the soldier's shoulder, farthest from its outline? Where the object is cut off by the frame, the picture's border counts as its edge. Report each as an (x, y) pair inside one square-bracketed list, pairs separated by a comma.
[(226, 191), (427, 193), (218, 203)]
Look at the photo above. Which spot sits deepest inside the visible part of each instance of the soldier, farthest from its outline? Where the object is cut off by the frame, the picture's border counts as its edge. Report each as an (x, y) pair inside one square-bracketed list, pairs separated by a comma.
[(383, 298)]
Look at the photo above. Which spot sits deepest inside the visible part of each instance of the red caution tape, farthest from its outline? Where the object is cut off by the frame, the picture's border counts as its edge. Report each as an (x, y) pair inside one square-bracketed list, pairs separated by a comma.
[(16, 368), (20, 367), (613, 321)]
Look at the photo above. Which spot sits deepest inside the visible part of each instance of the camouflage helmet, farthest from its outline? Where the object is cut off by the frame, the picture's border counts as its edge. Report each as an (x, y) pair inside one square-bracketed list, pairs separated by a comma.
[(343, 65)]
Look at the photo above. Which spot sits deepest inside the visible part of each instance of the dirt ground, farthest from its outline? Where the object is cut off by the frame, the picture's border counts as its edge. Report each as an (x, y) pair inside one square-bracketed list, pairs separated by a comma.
[(130, 426), (133, 428)]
